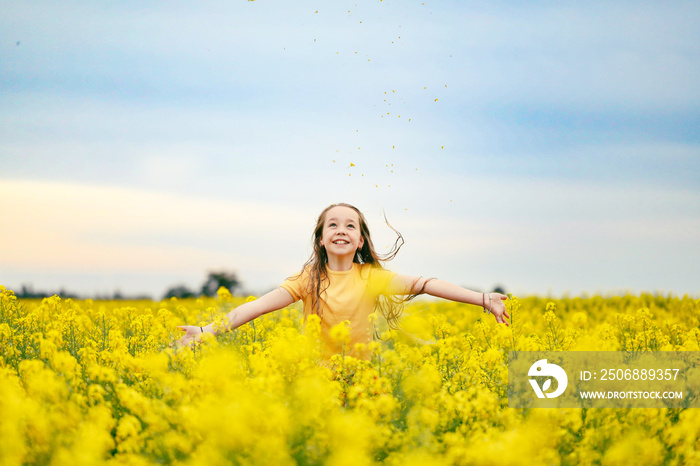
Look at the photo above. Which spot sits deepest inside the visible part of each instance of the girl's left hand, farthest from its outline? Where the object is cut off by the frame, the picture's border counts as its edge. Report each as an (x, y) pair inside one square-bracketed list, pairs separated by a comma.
[(498, 308), (192, 335)]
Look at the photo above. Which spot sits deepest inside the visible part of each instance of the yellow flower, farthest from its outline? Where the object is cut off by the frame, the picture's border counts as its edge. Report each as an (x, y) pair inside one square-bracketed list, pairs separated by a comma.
[(223, 293), (128, 434), (340, 333), (579, 319)]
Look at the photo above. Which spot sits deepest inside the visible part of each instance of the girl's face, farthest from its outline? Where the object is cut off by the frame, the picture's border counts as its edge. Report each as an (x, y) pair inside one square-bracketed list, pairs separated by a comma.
[(341, 234)]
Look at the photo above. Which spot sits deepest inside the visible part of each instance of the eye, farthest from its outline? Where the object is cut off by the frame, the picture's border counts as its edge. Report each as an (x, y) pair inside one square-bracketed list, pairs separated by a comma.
[(351, 226), (332, 224)]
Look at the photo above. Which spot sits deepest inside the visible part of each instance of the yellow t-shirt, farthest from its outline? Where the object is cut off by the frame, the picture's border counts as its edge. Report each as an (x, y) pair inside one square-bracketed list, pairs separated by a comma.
[(350, 296)]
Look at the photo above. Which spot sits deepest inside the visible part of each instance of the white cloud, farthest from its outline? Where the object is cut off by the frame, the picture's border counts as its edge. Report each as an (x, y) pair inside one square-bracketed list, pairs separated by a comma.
[(169, 139), (529, 236), (81, 227)]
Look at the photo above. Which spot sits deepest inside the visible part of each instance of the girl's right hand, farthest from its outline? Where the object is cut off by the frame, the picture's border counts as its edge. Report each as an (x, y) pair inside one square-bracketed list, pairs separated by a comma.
[(498, 308), (192, 335)]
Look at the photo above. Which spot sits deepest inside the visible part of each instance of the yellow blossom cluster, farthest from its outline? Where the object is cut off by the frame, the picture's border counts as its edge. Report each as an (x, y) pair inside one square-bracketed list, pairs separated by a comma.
[(97, 382)]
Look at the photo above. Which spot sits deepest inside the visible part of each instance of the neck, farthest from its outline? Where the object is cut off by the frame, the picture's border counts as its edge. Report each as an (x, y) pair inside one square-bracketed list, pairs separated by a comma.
[(340, 263)]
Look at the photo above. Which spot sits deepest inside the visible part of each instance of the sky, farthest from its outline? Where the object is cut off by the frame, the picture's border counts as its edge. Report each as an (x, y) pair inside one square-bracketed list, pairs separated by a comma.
[(545, 147)]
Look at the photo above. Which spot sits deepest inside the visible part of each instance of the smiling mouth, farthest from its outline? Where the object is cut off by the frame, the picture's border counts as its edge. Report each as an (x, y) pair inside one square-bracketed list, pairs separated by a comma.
[(341, 241)]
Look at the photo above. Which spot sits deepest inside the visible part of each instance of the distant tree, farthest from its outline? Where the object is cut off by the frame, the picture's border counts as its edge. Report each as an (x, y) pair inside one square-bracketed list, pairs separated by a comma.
[(179, 291), (63, 294), (215, 280), (499, 289), (27, 292)]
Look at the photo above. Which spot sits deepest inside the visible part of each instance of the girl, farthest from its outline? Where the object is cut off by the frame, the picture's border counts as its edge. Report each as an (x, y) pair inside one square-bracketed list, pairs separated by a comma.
[(344, 280)]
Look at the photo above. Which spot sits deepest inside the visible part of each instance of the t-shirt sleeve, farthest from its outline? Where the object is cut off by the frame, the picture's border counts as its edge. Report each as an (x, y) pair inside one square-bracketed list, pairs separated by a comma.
[(379, 279), (296, 285)]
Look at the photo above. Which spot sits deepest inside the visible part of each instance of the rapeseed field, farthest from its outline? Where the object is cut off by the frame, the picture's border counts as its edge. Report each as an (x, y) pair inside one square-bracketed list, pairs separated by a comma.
[(100, 382)]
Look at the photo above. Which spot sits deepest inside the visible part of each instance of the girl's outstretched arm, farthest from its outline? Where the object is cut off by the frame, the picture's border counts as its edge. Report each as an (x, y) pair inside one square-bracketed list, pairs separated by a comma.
[(403, 284), (272, 301)]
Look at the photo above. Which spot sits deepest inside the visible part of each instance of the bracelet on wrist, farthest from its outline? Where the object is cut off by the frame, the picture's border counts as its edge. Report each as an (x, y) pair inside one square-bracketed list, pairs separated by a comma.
[(483, 303)]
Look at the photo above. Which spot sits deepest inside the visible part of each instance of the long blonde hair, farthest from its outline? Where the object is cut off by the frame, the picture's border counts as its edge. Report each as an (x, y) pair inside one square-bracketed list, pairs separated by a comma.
[(390, 306)]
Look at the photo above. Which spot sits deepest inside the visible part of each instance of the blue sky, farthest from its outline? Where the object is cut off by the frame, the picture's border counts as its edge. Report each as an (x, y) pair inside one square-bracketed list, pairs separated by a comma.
[(549, 147)]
